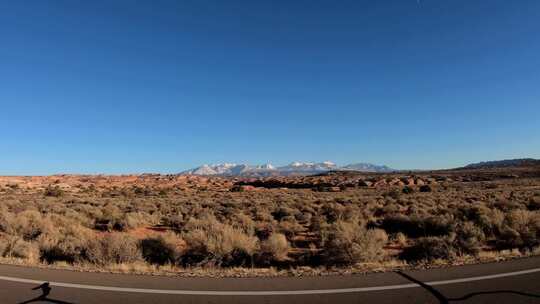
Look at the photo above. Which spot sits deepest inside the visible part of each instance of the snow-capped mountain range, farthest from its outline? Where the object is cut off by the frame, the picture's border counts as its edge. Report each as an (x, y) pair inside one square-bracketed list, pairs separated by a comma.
[(295, 168)]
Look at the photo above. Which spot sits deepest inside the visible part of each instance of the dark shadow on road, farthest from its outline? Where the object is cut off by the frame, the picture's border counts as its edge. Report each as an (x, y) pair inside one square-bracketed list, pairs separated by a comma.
[(473, 294), (444, 300), (45, 291)]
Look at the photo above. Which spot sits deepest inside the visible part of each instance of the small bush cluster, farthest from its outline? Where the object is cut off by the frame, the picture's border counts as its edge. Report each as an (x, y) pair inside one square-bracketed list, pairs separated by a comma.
[(347, 243), (416, 226), (161, 250), (210, 242), (275, 248), (429, 249), (113, 249)]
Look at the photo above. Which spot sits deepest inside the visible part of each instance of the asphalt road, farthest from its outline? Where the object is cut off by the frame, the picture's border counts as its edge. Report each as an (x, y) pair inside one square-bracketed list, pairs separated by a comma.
[(516, 281)]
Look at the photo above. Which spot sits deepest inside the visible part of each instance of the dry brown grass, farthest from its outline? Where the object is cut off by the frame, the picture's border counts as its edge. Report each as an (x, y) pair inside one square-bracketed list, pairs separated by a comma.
[(276, 247)]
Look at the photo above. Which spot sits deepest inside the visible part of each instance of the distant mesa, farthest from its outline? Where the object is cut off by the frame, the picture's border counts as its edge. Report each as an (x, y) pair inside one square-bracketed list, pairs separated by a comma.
[(295, 168), (518, 162)]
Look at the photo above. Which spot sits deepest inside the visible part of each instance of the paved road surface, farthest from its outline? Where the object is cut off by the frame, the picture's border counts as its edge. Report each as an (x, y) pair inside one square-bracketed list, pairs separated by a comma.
[(515, 281)]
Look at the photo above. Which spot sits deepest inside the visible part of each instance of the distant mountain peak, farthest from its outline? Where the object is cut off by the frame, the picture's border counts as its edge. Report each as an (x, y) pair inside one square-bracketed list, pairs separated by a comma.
[(266, 166), (366, 167), (294, 168)]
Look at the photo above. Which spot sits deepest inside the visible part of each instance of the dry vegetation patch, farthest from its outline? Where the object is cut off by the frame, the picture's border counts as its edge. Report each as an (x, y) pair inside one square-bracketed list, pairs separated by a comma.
[(322, 222)]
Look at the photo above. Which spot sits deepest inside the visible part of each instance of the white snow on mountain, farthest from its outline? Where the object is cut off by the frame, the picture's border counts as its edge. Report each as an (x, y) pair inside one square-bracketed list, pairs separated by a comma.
[(309, 167), (365, 167), (266, 167), (303, 168)]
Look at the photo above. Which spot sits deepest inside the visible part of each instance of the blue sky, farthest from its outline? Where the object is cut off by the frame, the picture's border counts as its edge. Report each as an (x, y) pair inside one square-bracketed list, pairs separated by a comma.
[(162, 86)]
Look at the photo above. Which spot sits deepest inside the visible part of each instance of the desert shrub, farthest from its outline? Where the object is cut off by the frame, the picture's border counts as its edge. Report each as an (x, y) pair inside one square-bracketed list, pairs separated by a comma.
[(521, 230), (263, 230), (6, 218), (132, 220), (394, 193), (509, 238), (3, 243), (69, 249), (282, 212), (88, 210), (142, 191), (263, 215), (53, 191), (67, 242), (534, 203), (238, 188), (507, 205), (113, 248), (175, 220), (79, 217), (17, 247), (30, 224), (304, 217), (429, 249), (519, 220), (211, 242), (161, 250), (489, 220), (401, 239), (13, 186), (318, 224), (244, 222), (333, 212), (348, 243), (290, 227), (111, 219), (415, 226), (408, 190), (275, 248), (425, 188), (469, 238)]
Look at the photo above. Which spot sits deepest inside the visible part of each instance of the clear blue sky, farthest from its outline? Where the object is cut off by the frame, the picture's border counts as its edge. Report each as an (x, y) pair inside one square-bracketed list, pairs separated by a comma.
[(162, 86)]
